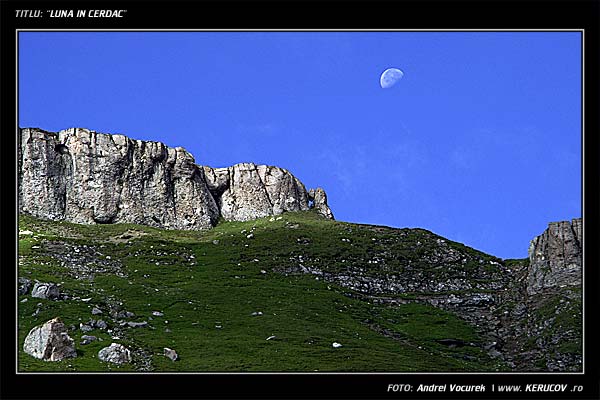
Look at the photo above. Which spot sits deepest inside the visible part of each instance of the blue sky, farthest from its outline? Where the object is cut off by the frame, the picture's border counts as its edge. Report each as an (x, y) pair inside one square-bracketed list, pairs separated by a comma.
[(479, 142)]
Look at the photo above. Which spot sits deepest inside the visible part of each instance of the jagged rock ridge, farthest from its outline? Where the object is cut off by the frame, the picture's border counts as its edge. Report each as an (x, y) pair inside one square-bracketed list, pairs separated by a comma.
[(82, 176)]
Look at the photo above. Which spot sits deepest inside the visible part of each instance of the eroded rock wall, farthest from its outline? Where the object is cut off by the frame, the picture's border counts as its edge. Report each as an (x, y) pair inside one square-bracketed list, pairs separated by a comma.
[(86, 177), (247, 191), (555, 257), (82, 176)]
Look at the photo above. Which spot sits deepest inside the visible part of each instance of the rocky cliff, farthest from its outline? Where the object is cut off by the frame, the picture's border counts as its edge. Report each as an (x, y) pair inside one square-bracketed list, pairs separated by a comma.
[(82, 176), (555, 257)]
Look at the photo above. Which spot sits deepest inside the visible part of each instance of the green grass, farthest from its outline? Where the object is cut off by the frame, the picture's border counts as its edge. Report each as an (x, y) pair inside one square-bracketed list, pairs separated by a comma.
[(201, 286)]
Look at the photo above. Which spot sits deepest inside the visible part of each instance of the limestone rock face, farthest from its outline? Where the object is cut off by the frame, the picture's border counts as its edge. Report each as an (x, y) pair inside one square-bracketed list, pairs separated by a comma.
[(319, 199), (86, 177), (247, 191), (50, 342), (555, 257), (82, 176)]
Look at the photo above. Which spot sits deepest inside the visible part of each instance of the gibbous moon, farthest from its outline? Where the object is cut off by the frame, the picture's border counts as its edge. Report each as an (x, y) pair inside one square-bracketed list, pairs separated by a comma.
[(390, 77)]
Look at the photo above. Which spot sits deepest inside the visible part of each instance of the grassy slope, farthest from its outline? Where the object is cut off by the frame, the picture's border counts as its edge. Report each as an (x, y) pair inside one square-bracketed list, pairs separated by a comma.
[(223, 284)]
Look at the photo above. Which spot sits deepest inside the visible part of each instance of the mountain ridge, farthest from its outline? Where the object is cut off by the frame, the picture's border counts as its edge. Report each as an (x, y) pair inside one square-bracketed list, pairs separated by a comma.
[(261, 222)]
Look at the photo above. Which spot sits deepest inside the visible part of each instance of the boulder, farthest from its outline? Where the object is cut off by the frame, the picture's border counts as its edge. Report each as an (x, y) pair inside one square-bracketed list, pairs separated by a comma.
[(115, 353), (170, 354), (50, 342), (45, 291)]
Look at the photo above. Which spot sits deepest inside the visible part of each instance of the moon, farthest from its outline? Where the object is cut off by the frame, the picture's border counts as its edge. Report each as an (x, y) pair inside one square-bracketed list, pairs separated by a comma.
[(390, 77)]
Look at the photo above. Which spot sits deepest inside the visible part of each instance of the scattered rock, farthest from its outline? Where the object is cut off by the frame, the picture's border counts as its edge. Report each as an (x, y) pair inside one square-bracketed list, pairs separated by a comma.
[(135, 324), (85, 328), (271, 337), (50, 342), (157, 313), (45, 291), (96, 311), (25, 233), (336, 345), (256, 313), (100, 324), (115, 353), (171, 354), (87, 339)]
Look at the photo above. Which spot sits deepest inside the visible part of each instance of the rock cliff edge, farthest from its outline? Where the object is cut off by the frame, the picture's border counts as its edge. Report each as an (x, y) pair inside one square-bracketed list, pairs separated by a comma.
[(82, 176)]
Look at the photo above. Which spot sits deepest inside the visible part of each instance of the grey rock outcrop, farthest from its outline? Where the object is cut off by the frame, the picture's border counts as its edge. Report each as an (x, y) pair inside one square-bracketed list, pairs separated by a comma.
[(247, 191), (319, 199), (115, 353), (50, 342), (82, 176), (86, 177), (555, 257)]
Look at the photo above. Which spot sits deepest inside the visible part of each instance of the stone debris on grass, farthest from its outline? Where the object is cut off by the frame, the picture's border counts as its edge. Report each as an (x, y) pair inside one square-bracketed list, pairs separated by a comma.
[(336, 345)]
